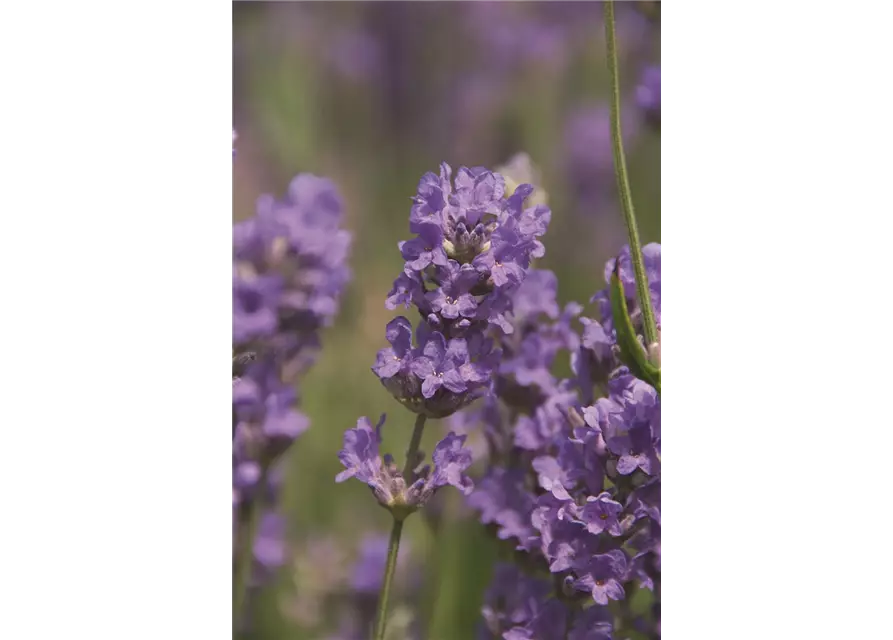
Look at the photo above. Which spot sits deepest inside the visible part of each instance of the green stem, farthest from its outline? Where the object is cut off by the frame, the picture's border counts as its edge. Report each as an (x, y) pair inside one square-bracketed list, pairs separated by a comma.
[(396, 530), (626, 199), (393, 548), (248, 527), (413, 449)]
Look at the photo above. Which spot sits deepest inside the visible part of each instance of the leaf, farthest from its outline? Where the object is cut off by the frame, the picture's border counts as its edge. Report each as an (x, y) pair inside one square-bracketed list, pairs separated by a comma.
[(632, 353)]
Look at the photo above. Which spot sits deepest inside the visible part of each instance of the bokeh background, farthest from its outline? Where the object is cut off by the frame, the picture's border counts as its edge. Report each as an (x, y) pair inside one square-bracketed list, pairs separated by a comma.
[(373, 95)]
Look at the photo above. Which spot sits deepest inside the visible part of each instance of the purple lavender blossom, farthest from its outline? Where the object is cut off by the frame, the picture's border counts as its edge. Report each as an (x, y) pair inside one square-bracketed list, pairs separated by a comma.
[(506, 503), (588, 140), (601, 513), (266, 422), (518, 607), (507, 496), (512, 599), (597, 537), (297, 245), (480, 244), (354, 54), (361, 459), (589, 157), (511, 38), (593, 623), (648, 93), (603, 574), (269, 545), (472, 253), (367, 572), (439, 376), (289, 269), (635, 448), (436, 368), (536, 296), (586, 530)]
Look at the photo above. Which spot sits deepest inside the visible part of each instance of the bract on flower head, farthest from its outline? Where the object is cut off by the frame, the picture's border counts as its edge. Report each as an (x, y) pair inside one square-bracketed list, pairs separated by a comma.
[(362, 460)]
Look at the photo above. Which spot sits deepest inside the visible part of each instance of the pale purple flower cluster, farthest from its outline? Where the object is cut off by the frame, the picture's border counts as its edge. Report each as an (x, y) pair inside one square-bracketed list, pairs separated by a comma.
[(592, 531), (289, 270), (361, 460), (472, 252), (573, 482)]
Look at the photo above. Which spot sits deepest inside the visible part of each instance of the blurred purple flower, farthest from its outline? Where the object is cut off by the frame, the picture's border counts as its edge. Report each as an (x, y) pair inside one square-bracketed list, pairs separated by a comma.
[(504, 501), (648, 93), (289, 269), (269, 545), (368, 570), (354, 54), (589, 154)]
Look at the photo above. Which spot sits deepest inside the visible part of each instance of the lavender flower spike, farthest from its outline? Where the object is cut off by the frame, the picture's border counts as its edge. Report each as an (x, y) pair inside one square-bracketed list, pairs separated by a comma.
[(473, 249), (362, 460), (289, 270)]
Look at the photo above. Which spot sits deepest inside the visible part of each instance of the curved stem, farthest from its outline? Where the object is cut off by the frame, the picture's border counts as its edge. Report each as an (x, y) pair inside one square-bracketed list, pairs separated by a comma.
[(381, 617), (248, 526), (626, 199)]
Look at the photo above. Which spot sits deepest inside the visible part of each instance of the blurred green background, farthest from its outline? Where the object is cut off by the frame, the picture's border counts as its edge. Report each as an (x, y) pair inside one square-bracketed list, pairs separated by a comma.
[(373, 95)]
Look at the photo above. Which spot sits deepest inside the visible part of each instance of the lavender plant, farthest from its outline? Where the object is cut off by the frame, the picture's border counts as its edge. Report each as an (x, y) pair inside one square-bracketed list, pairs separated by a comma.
[(565, 398), (578, 491), (289, 269), (472, 251)]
